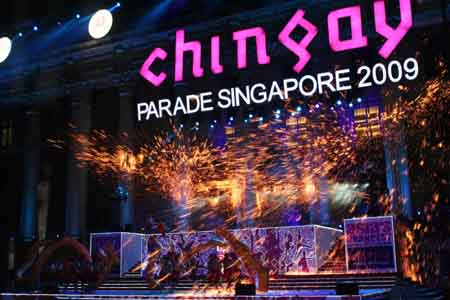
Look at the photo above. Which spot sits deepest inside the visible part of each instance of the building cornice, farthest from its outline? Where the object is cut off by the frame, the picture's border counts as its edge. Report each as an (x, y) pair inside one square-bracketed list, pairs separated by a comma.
[(42, 79)]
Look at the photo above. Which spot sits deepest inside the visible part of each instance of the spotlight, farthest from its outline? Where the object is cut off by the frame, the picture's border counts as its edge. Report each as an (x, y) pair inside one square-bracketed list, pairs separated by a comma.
[(231, 119), (299, 109), (278, 112), (350, 105), (339, 102), (100, 24), (317, 105), (5, 48), (277, 116), (261, 119), (35, 28), (20, 34), (293, 114), (212, 126), (118, 4), (181, 126), (77, 16), (215, 121), (250, 116), (359, 100)]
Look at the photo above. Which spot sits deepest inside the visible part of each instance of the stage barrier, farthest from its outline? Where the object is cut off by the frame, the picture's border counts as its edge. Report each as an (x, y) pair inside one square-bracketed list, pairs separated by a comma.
[(125, 249), (283, 250)]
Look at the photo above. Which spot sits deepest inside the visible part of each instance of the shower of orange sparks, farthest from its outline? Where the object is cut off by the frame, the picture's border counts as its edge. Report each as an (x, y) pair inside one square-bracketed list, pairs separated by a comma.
[(290, 159), (270, 158), (425, 122)]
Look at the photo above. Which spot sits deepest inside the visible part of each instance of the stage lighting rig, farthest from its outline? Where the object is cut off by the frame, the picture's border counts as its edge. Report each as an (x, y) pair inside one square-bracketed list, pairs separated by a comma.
[(5, 48), (100, 24)]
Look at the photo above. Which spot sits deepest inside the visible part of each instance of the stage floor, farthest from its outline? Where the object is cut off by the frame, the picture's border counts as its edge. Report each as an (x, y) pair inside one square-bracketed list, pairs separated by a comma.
[(211, 294)]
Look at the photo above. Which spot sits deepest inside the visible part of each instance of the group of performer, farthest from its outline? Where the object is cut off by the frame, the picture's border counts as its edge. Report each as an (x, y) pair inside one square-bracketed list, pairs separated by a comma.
[(219, 270), (170, 268), (226, 270)]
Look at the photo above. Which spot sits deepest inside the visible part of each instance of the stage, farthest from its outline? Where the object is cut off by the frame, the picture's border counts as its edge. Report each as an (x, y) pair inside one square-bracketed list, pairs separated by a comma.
[(298, 262), (317, 287), (307, 295), (303, 262)]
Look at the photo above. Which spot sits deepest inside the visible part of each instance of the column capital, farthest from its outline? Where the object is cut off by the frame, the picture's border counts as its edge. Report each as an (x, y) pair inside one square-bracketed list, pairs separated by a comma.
[(124, 85), (78, 99), (32, 113), (124, 90), (81, 89)]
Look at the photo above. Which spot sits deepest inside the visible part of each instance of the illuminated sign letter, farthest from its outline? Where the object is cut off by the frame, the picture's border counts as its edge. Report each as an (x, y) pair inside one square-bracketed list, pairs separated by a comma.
[(357, 40), (393, 36), (156, 80), (299, 48), (216, 67), (181, 47), (261, 47)]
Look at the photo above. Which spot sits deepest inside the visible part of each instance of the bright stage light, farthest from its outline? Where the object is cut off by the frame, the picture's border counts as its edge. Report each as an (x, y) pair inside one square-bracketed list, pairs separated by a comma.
[(310, 188), (100, 24), (5, 48)]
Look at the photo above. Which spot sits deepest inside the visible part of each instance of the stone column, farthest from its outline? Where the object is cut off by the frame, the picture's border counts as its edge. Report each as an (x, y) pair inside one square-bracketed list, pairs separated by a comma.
[(77, 177), (43, 201), (397, 175), (314, 203), (31, 176), (183, 210), (324, 201), (127, 128), (248, 209), (249, 205), (321, 206)]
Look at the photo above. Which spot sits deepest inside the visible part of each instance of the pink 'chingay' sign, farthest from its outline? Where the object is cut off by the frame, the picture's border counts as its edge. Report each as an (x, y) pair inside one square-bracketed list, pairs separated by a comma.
[(357, 39)]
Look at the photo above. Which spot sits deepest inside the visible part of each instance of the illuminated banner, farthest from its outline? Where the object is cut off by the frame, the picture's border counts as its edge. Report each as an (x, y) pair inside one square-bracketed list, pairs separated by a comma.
[(307, 85), (370, 245)]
